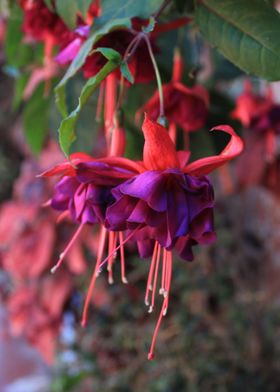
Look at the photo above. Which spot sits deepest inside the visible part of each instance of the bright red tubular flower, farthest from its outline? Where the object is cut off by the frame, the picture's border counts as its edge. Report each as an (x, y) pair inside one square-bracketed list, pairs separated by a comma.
[(250, 105), (140, 64), (260, 116), (39, 22), (164, 202), (185, 106)]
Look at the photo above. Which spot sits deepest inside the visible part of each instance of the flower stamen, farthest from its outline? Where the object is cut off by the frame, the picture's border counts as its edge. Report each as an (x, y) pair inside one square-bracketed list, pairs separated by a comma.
[(99, 265), (149, 286), (102, 241), (66, 250), (121, 239), (167, 259)]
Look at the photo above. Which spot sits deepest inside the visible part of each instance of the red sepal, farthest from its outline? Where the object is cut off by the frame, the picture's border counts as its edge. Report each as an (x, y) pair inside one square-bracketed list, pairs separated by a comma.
[(159, 150), (207, 165), (67, 168), (175, 24)]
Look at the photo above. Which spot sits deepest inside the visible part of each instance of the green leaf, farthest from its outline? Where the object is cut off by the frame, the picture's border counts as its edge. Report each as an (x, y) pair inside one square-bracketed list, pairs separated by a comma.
[(80, 59), (129, 8), (67, 127), (67, 10), (20, 84), (35, 119), (83, 6), (245, 32), (126, 72), (17, 54), (49, 4)]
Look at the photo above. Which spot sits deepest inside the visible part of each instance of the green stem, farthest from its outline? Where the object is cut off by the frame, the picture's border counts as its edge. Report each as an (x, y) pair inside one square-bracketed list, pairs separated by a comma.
[(161, 8), (158, 78), (128, 54)]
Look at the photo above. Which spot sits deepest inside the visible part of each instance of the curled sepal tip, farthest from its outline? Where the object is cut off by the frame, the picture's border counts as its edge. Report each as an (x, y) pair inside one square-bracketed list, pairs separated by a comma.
[(206, 165)]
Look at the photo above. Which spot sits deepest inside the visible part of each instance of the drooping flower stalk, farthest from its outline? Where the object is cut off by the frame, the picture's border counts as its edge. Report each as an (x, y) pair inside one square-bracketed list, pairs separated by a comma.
[(159, 82), (184, 106)]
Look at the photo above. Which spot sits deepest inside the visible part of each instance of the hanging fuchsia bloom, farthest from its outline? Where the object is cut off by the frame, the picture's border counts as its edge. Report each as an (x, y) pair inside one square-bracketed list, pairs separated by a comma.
[(250, 105), (140, 64), (163, 203), (171, 201), (40, 22), (260, 116), (184, 106), (86, 201)]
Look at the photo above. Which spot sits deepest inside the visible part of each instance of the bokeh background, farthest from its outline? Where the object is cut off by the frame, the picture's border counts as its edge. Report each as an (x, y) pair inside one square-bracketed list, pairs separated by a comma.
[(222, 331)]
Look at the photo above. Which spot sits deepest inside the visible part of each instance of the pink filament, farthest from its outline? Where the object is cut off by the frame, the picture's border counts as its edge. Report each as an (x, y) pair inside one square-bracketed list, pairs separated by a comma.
[(150, 277), (111, 247), (163, 274), (120, 245), (66, 250), (164, 307), (101, 247), (99, 265), (121, 239), (155, 282)]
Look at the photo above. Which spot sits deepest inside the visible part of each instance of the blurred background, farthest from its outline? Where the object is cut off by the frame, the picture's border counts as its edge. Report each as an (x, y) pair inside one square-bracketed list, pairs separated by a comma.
[(222, 331)]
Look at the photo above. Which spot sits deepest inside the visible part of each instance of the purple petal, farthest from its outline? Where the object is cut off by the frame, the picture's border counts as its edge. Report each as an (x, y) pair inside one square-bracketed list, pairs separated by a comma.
[(147, 186)]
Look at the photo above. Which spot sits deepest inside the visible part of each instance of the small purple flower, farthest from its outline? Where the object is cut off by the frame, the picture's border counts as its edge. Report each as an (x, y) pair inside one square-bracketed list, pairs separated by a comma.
[(86, 193), (86, 203)]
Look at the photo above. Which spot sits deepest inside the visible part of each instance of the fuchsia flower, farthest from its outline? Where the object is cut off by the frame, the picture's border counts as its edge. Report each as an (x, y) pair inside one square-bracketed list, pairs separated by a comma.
[(250, 105), (260, 116), (39, 22), (140, 65), (162, 202), (184, 106)]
